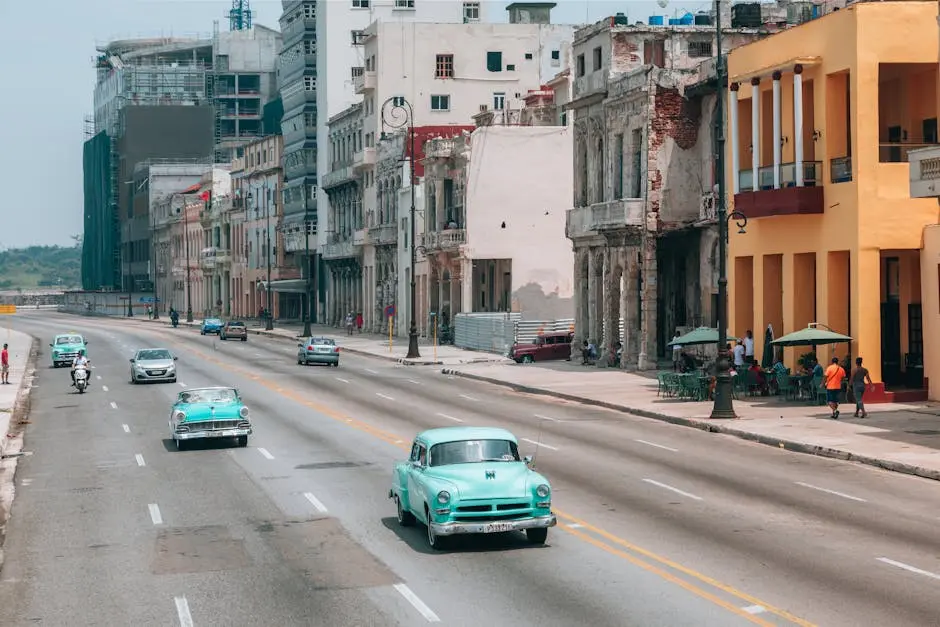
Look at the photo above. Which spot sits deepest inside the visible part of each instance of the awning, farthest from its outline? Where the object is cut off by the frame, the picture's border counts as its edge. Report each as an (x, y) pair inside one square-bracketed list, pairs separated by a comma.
[(287, 286)]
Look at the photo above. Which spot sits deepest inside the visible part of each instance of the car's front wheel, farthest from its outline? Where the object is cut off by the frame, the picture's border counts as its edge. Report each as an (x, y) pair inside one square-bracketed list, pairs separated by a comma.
[(243, 441), (527, 359), (244, 339), (435, 541), (181, 445), (537, 535), (405, 518)]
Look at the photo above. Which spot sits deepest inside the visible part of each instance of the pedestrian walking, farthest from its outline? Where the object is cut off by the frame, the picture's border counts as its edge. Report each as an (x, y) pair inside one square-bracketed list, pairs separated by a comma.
[(5, 365), (749, 347), (833, 379), (859, 379), (359, 321), (676, 352)]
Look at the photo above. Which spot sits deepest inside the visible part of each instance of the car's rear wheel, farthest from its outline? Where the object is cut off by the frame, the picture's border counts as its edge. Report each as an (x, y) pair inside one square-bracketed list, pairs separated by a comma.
[(181, 445), (527, 359), (405, 519), (537, 535), (244, 339), (222, 337), (242, 441), (435, 541)]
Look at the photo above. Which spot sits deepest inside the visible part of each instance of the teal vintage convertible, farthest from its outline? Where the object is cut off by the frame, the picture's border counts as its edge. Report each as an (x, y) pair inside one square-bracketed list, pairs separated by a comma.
[(471, 480), (216, 412)]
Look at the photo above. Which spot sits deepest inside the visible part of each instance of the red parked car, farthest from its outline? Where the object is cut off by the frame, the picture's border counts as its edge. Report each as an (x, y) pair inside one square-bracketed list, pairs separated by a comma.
[(548, 346)]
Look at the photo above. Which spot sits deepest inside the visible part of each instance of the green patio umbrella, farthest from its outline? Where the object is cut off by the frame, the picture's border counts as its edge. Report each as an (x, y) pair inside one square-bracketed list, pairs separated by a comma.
[(701, 335), (811, 336)]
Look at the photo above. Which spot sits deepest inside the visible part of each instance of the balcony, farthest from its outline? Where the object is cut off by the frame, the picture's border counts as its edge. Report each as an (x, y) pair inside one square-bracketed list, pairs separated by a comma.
[(788, 199), (439, 148), (383, 235), (925, 172), (213, 258), (364, 82), (364, 158), (449, 239), (840, 170), (339, 176), (342, 250), (626, 213)]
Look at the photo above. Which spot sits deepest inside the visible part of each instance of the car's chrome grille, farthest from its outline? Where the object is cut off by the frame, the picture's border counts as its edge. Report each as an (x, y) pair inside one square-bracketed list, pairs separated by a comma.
[(154, 373), (475, 508), (213, 425), (486, 518)]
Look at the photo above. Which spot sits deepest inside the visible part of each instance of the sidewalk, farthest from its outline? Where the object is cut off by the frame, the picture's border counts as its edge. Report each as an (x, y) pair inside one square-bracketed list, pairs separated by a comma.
[(366, 344), (10, 395), (899, 437)]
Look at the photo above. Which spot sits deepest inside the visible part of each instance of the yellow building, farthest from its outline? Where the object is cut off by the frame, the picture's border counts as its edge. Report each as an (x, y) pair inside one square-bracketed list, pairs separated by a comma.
[(825, 114)]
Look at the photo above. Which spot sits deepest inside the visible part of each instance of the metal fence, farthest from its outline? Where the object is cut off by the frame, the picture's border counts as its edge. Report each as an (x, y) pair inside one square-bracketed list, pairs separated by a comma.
[(104, 303), (496, 332)]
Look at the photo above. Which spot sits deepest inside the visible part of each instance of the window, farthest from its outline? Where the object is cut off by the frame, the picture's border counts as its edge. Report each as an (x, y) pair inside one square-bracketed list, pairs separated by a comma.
[(444, 66), (499, 101), (471, 12), (310, 46), (398, 101), (310, 83), (700, 49), (310, 11), (528, 56), (440, 103), (597, 58), (494, 61), (404, 4), (357, 72), (510, 68), (360, 4), (580, 65), (358, 37), (556, 55)]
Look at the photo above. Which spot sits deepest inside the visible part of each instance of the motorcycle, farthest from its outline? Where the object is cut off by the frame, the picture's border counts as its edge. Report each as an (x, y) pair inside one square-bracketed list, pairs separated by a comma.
[(81, 379), (175, 320)]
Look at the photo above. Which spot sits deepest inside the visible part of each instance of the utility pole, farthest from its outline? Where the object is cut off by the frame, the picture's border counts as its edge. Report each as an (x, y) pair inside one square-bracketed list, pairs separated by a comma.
[(269, 323), (153, 251), (189, 276), (130, 248), (307, 269)]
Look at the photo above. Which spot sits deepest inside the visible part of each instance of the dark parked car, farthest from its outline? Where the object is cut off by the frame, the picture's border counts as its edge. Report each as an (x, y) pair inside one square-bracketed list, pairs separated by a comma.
[(547, 346)]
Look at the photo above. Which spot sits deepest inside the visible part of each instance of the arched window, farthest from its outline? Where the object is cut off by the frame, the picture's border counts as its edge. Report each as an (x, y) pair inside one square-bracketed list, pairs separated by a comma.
[(582, 186), (599, 171)]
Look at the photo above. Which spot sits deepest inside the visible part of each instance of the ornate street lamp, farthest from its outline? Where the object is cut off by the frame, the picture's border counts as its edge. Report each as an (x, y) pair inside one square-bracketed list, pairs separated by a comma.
[(307, 296), (398, 113), (723, 407)]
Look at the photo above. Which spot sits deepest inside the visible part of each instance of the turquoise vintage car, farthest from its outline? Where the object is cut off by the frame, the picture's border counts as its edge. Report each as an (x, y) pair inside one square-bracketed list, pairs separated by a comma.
[(65, 348), (216, 412), (471, 480)]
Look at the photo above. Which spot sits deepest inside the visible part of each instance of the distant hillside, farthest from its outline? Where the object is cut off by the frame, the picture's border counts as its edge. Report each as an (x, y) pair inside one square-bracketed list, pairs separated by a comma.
[(54, 267)]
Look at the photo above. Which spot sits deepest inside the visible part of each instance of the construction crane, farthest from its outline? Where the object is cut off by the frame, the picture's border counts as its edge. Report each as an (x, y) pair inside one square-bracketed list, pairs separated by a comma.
[(239, 18)]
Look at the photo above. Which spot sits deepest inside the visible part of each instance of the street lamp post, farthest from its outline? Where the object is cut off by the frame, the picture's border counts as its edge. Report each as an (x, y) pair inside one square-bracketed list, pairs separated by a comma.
[(153, 267), (397, 113), (307, 270), (269, 322), (189, 276), (130, 266), (723, 406)]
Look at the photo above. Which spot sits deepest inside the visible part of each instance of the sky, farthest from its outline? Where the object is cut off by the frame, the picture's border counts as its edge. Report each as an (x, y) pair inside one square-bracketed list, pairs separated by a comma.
[(49, 80)]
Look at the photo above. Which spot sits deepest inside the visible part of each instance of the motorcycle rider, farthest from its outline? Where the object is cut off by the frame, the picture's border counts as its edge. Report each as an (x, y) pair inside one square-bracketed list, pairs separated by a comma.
[(80, 361), (174, 317)]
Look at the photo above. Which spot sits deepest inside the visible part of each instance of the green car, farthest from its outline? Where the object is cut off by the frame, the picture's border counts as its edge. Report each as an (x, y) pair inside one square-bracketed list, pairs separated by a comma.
[(65, 348), (203, 413), (471, 480)]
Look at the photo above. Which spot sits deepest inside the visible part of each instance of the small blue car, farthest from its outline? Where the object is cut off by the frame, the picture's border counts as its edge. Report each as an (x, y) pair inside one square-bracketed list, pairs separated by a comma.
[(211, 325)]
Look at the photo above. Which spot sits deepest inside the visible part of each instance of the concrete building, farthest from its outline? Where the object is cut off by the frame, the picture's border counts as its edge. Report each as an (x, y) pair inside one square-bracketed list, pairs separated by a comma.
[(493, 237), (643, 218), (257, 187), (167, 98), (321, 60), (215, 252), (833, 235)]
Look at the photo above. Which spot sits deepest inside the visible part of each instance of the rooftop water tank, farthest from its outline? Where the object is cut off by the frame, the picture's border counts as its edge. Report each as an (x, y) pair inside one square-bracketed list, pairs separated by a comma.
[(673, 21), (687, 20), (621, 19), (703, 19), (656, 20)]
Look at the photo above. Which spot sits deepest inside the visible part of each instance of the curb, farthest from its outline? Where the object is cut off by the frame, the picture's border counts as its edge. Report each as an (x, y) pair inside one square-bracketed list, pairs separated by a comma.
[(793, 446)]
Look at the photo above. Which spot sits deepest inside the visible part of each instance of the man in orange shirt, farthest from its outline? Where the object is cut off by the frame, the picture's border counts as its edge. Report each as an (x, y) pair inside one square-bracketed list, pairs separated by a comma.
[(833, 379)]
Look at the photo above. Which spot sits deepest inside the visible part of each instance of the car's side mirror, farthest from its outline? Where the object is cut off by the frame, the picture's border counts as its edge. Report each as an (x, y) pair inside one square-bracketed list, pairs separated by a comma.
[(299, 345), (527, 459), (175, 358), (131, 360), (50, 344)]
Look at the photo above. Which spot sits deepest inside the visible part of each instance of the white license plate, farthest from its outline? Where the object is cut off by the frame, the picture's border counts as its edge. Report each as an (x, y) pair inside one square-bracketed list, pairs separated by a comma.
[(497, 528)]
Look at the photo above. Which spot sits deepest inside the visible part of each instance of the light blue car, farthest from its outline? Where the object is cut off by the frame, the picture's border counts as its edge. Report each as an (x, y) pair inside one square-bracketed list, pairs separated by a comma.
[(211, 325), (471, 480), (202, 413)]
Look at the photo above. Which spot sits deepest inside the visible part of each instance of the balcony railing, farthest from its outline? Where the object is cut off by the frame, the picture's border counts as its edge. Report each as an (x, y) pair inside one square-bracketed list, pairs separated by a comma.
[(605, 216), (383, 235), (448, 239), (337, 177), (840, 169), (439, 148), (925, 172), (341, 250), (364, 82), (812, 171), (364, 158), (896, 152)]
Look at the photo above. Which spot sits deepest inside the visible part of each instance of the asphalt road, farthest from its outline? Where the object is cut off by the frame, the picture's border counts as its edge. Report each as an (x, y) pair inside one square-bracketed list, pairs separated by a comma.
[(659, 524)]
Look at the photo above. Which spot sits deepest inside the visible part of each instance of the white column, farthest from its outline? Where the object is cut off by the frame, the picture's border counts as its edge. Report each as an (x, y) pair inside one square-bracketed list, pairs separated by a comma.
[(798, 122), (777, 129), (755, 134), (735, 154)]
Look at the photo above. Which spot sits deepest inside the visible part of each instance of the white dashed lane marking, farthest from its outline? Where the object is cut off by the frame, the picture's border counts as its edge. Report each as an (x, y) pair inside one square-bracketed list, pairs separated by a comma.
[(182, 610), (417, 603), (140, 460), (113, 405), (672, 489), (539, 444), (104, 388), (320, 507), (155, 514), (665, 448), (265, 452), (386, 397), (126, 428), (450, 417)]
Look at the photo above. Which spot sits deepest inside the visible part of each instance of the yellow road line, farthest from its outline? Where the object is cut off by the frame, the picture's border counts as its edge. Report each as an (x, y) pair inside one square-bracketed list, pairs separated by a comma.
[(405, 445)]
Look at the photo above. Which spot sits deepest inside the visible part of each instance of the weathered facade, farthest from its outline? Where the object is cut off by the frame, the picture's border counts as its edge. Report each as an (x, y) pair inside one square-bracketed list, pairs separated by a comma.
[(643, 218)]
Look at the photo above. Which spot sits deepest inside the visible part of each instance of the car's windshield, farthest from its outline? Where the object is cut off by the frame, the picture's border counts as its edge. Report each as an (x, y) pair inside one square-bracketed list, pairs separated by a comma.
[(473, 451), (224, 395), (69, 339), (322, 341), (213, 321), (236, 324), (154, 354)]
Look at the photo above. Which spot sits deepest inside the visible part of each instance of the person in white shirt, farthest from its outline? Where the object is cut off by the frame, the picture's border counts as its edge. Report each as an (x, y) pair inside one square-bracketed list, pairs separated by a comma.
[(738, 355), (80, 360), (749, 346)]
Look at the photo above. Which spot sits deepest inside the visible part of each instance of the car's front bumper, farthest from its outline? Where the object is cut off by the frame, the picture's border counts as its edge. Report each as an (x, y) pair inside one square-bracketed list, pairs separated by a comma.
[(218, 433), (501, 526), (169, 375), (211, 329)]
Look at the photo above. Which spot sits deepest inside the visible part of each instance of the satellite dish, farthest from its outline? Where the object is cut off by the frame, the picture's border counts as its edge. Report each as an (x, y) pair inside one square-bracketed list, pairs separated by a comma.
[(662, 3)]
